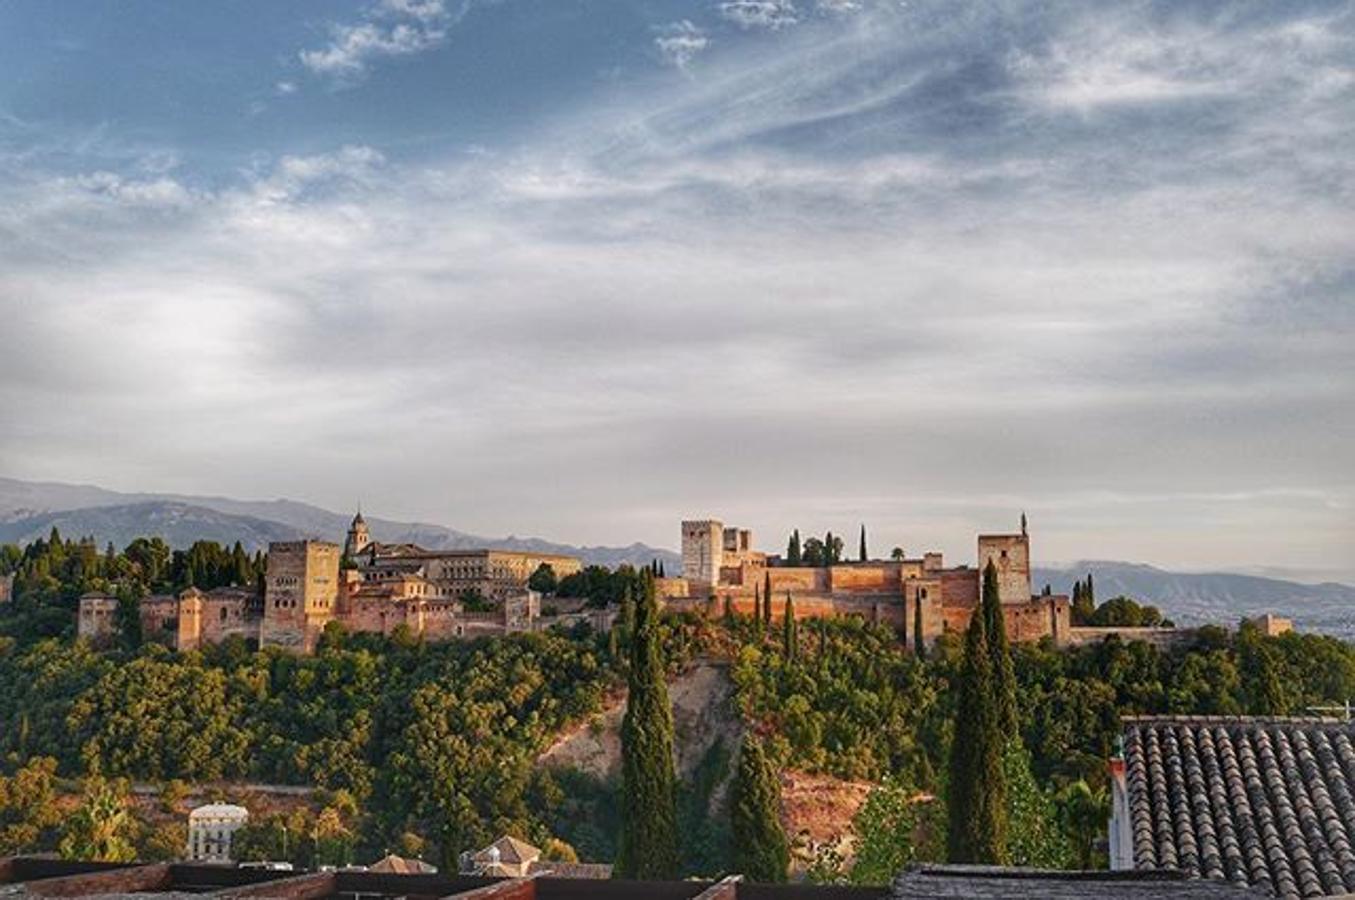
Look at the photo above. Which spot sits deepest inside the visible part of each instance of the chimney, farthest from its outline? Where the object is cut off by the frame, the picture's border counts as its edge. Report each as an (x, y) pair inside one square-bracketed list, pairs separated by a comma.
[(1119, 833)]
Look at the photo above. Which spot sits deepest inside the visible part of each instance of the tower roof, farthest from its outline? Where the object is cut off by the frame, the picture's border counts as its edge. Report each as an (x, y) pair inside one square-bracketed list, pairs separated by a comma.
[(359, 520)]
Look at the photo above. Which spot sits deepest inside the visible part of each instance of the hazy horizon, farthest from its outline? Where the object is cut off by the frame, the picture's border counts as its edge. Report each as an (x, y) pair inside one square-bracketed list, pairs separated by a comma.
[(581, 270)]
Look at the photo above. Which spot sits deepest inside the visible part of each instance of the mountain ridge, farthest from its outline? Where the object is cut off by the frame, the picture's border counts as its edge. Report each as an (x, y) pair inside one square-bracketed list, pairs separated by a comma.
[(28, 510)]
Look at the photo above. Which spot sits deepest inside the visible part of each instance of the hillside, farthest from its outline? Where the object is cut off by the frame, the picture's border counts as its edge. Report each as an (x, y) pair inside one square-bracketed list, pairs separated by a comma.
[(1218, 597), (815, 809), (178, 523), (29, 509)]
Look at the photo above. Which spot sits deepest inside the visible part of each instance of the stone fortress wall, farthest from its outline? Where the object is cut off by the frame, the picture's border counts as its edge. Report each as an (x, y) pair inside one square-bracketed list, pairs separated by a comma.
[(885, 591), (365, 587)]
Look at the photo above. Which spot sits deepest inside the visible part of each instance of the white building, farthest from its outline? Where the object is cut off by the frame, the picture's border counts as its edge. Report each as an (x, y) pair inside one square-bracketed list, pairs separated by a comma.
[(210, 829)]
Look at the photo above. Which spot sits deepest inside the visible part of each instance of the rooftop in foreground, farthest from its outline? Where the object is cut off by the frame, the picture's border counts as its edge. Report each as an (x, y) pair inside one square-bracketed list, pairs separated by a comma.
[(42, 877)]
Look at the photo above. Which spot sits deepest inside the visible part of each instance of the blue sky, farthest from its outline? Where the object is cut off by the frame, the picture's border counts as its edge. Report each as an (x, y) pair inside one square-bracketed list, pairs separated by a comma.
[(581, 268)]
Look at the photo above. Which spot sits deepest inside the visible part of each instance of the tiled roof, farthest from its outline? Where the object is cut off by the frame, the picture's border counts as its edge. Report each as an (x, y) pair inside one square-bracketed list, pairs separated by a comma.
[(570, 870), (1269, 802), (398, 865), (512, 851), (990, 882)]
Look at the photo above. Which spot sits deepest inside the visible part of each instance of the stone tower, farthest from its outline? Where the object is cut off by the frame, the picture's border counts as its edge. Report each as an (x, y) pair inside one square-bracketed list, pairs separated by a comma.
[(1010, 555), (301, 589), (703, 550), (358, 537)]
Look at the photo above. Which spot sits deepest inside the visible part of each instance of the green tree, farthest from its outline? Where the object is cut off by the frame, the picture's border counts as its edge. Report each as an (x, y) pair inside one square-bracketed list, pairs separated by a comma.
[(1034, 838), (543, 580), (1083, 814), (861, 552), (813, 554), (649, 843), (790, 640), (919, 643), (28, 810), (995, 631), (897, 554), (977, 801), (895, 827), (761, 850), (128, 615), (793, 549), (101, 828)]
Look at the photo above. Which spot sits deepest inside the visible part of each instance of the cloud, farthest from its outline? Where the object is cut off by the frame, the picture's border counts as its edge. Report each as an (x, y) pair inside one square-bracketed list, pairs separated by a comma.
[(390, 28), (839, 6), (878, 268), (769, 14), (679, 43)]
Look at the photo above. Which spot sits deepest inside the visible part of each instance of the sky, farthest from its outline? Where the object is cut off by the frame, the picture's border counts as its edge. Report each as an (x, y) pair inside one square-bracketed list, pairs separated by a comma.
[(583, 268)]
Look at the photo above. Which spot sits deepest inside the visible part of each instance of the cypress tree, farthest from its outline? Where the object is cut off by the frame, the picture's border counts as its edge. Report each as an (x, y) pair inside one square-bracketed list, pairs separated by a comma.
[(919, 646), (761, 850), (976, 831), (766, 584), (862, 555), (789, 638), (793, 549), (648, 848), (767, 609), (828, 555), (995, 630), (757, 609)]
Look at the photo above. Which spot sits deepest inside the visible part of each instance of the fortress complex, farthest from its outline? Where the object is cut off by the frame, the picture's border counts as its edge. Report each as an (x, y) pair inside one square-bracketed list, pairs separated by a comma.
[(720, 567), (364, 586)]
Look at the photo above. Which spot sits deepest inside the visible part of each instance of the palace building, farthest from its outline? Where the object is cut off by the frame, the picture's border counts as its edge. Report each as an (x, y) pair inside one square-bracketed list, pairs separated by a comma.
[(364, 586), (720, 567)]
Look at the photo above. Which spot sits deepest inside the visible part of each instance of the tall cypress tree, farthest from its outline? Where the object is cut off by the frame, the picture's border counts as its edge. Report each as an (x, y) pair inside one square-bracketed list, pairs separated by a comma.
[(793, 549), (767, 610), (977, 799), (790, 639), (995, 630), (648, 848), (861, 554), (761, 850), (828, 556), (919, 647)]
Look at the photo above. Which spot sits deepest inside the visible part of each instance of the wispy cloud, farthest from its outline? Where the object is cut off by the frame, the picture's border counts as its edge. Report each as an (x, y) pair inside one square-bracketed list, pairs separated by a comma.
[(884, 250), (391, 28), (680, 42), (772, 14)]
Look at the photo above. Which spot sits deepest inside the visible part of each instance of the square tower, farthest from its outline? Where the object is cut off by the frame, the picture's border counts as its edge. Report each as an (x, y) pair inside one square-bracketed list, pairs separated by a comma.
[(703, 546), (1010, 555), (301, 589)]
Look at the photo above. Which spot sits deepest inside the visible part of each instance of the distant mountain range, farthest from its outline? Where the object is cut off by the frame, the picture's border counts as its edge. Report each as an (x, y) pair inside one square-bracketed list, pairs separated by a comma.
[(29, 510), (1220, 597)]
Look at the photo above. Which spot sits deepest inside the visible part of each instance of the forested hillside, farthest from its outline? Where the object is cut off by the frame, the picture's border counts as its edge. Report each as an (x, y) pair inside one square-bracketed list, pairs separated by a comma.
[(432, 747)]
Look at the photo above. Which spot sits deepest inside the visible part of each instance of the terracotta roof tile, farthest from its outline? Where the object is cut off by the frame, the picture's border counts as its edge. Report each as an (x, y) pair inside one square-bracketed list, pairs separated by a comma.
[(1267, 802)]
